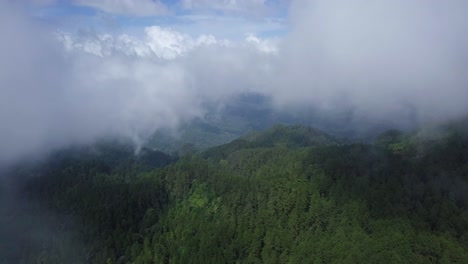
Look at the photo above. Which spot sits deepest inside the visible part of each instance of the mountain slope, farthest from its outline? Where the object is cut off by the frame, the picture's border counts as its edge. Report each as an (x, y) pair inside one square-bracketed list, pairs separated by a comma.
[(286, 195), (277, 136)]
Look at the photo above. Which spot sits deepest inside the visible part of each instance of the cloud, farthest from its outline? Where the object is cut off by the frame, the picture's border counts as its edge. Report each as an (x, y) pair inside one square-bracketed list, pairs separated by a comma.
[(126, 7), (26, 84), (157, 43), (231, 6), (387, 61), (167, 43), (396, 61), (230, 27), (264, 45), (83, 88)]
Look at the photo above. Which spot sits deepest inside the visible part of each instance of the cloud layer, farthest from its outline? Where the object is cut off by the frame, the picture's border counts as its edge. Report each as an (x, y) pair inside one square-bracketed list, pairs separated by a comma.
[(81, 88), (395, 61), (384, 60)]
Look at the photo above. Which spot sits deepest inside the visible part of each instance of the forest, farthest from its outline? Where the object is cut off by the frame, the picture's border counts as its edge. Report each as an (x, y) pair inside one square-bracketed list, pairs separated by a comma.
[(289, 194)]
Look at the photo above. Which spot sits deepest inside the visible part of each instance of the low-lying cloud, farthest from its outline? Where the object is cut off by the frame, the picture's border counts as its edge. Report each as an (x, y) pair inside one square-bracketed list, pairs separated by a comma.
[(55, 93), (398, 61), (384, 59)]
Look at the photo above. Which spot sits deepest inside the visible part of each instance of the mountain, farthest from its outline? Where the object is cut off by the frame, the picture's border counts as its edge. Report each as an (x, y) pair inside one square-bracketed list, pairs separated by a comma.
[(289, 194), (251, 112), (278, 136)]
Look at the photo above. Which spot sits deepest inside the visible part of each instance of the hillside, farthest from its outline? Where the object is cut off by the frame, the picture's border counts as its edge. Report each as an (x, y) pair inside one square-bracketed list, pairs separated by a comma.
[(278, 136), (290, 194)]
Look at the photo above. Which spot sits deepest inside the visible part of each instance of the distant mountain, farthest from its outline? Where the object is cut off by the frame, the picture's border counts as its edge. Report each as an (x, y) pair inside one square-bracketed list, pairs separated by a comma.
[(254, 112), (222, 124), (278, 136)]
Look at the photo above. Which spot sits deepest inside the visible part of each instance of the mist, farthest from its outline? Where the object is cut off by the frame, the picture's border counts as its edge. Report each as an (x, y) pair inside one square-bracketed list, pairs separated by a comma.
[(28, 228), (398, 62)]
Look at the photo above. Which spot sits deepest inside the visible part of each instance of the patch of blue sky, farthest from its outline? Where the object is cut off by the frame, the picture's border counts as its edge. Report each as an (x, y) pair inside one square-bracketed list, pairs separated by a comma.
[(73, 18), (62, 9)]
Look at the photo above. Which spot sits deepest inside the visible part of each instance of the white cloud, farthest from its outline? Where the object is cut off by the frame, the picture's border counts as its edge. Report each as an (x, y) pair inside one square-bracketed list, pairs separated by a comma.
[(168, 44), (391, 60), (398, 60), (157, 43), (264, 45), (127, 7), (105, 85)]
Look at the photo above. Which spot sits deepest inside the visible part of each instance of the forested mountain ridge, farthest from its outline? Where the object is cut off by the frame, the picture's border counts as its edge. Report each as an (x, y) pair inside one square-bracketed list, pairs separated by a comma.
[(278, 136), (251, 112), (287, 195)]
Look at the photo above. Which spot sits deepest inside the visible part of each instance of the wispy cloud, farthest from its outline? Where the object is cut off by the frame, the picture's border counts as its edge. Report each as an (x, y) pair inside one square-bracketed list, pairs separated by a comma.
[(231, 26), (125, 7), (230, 6)]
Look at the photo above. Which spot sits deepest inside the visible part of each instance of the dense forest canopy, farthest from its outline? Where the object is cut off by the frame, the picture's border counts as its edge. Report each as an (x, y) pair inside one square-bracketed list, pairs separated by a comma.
[(290, 194)]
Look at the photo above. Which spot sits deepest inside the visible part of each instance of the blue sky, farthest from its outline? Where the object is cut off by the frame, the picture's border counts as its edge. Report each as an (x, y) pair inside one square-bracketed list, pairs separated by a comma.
[(223, 19)]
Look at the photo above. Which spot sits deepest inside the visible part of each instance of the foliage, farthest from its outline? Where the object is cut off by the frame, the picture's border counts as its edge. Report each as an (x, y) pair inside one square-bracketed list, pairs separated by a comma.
[(289, 195)]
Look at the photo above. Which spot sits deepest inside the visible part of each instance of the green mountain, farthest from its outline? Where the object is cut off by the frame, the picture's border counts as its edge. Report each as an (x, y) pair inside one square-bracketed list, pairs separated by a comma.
[(278, 136), (252, 112), (290, 194)]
